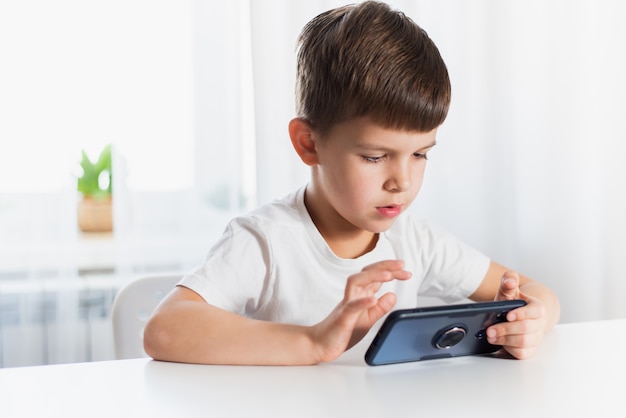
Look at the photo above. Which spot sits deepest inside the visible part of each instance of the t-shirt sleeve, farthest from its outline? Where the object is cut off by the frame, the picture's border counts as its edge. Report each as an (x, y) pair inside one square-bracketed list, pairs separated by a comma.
[(235, 271), (452, 270)]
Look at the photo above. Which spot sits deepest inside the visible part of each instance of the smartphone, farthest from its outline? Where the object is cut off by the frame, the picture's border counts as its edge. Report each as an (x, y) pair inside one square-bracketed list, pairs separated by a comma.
[(436, 332)]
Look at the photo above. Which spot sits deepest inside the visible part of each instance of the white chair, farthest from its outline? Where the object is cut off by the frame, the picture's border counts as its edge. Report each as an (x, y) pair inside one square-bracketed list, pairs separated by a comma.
[(133, 305)]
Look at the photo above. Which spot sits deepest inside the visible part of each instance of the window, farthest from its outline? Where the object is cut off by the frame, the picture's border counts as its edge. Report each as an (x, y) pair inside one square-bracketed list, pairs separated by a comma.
[(168, 83)]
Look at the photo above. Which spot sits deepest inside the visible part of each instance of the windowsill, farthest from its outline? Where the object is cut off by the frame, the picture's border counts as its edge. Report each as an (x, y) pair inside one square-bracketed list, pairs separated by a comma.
[(97, 254)]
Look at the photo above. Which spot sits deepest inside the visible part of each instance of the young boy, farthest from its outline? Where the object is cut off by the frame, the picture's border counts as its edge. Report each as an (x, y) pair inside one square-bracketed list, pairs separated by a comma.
[(301, 280)]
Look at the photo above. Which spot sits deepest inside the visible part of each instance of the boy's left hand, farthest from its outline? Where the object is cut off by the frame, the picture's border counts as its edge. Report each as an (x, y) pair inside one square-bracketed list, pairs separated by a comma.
[(523, 332)]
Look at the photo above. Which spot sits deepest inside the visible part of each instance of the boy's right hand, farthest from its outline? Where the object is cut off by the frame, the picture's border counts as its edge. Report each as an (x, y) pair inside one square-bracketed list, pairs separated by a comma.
[(359, 310)]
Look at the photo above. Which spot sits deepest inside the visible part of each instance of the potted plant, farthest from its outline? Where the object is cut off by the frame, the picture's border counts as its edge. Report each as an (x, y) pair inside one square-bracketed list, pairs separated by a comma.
[(95, 213)]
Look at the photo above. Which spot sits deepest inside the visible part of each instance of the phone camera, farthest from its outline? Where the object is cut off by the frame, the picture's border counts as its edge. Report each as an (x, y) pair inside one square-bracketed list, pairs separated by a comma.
[(449, 337)]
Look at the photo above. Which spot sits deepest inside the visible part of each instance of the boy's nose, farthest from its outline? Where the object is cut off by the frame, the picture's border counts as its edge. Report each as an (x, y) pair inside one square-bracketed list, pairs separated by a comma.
[(400, 181)]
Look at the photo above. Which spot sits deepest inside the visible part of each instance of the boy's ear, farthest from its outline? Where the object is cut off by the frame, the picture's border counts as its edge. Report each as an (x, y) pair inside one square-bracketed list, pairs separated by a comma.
[(301, 134)]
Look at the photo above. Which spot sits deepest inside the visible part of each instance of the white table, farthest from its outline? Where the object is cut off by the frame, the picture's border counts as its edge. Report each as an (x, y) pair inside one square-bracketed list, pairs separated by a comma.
[(577, 372)]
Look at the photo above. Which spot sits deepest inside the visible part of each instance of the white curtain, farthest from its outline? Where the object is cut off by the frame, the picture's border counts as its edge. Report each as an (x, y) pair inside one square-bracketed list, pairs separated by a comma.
[(530, 167)]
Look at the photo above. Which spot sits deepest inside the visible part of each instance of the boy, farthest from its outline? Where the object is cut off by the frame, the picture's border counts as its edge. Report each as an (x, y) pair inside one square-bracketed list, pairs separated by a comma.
[(301, 280)]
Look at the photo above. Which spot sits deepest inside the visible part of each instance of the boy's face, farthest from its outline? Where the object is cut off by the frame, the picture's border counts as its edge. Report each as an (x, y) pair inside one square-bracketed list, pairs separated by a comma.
[(367, 175)]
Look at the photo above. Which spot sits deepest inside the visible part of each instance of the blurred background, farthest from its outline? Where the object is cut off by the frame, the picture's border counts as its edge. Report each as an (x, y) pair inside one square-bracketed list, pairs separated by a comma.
[(195, 96)]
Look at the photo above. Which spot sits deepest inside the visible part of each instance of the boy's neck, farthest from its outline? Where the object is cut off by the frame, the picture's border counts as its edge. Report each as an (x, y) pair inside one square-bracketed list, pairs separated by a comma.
[(344, 239)]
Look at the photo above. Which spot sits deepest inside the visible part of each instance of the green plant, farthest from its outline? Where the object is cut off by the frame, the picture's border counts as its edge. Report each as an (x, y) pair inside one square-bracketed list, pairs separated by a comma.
[(96, 178)]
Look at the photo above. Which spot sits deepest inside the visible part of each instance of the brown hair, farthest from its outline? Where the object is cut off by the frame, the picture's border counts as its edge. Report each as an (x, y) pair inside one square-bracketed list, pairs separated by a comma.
[(369, 60)]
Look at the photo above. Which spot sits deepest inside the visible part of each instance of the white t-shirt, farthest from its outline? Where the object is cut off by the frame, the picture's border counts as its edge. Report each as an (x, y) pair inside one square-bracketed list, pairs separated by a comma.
[(274, 265)]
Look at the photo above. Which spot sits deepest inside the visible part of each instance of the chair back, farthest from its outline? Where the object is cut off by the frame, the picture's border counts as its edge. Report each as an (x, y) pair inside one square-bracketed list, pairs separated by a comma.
[(132, 307)]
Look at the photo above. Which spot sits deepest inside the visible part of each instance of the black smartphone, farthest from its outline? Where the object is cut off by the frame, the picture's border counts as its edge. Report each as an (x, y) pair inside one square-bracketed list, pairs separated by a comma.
[(437, 332)]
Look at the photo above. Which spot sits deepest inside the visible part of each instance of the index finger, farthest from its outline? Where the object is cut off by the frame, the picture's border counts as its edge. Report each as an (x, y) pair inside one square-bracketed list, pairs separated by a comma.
[(532, 310)]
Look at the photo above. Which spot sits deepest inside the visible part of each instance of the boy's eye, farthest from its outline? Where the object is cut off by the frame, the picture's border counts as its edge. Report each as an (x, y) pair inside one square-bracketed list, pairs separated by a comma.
[(373, 159), (420, 156)]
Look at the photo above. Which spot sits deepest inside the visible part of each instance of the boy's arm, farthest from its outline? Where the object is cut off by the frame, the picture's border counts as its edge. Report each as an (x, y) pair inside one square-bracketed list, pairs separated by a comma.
[(527, 325), (184, 328)]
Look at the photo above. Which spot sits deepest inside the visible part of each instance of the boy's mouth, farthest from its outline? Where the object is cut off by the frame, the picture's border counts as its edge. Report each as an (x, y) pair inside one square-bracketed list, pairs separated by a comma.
[(390, 211)]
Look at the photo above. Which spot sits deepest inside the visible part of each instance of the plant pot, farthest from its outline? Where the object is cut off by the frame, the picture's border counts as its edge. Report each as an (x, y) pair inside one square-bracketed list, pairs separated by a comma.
[(95, 215)]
